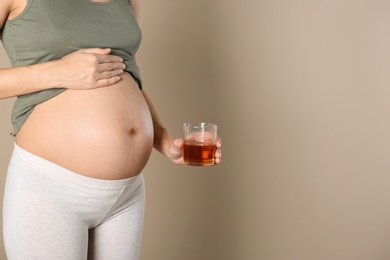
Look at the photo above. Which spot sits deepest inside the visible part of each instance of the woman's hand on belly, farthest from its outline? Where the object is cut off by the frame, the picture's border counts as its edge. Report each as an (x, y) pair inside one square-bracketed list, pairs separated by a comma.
[(82, 69), (87, 69)]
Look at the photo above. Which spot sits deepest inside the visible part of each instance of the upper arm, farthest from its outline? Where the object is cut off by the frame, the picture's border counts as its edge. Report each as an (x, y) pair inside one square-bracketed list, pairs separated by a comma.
[(135, 5)]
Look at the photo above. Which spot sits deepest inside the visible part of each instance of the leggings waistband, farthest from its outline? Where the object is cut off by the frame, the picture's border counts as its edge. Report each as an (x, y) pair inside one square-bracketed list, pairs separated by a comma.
[(48, 167)]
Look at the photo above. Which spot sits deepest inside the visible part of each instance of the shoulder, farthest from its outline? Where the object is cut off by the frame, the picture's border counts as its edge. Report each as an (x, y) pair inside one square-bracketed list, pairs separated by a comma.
[(10, 9), (5, 9)]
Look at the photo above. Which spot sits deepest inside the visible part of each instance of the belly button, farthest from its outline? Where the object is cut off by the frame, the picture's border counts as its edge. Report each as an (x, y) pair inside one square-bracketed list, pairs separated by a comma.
[(131, 131)]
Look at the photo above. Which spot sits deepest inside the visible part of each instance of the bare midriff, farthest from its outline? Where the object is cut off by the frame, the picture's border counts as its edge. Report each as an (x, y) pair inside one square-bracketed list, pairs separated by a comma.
[(104, 133)]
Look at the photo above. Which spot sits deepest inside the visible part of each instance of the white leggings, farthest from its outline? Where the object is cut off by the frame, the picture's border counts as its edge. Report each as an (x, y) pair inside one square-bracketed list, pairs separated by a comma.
[(52, 213)]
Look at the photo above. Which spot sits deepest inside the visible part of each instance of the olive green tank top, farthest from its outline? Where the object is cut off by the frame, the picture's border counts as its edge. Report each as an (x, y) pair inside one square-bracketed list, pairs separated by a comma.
[(50, 29)]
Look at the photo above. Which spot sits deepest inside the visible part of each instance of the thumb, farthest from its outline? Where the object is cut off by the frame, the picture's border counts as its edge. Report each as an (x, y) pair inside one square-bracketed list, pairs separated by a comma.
[(179, 143), (175, 149)]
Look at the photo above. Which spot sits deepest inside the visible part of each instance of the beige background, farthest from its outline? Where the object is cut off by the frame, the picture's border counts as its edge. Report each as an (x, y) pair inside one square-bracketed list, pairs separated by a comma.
[(300, 91)]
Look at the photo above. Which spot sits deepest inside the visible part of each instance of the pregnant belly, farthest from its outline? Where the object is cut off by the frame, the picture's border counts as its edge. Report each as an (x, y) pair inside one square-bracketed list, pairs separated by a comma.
[(104, 133)]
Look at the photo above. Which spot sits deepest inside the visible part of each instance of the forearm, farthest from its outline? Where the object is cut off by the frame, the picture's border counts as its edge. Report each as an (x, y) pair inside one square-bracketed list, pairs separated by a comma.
[(82, 69), (26, 79), (161, 135)]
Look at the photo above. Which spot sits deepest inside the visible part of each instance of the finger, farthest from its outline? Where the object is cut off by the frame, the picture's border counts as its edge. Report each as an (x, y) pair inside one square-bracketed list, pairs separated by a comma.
[(218, 156), (217, 161), (109, 58), (107, 81), (111, 66), (109, 74), (219, 142), (101, 51), (218, 153)]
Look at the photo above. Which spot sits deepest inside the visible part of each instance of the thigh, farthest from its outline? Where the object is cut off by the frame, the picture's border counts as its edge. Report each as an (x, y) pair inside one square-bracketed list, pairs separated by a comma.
[(119, 236), (35, 223)]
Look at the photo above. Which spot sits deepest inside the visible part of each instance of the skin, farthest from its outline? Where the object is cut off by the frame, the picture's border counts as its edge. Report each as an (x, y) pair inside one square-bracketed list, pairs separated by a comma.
[(71, 128)]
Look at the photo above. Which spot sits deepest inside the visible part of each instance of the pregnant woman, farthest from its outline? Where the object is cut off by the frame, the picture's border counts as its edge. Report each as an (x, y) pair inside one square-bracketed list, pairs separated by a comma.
[(84, 129)]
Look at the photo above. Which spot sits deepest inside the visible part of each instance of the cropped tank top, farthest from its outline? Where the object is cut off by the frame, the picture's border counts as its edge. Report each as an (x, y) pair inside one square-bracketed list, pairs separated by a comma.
[(50, 29)]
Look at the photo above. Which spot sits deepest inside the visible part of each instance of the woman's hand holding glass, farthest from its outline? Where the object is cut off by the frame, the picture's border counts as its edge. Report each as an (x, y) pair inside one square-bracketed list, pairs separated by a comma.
[(174, 151)]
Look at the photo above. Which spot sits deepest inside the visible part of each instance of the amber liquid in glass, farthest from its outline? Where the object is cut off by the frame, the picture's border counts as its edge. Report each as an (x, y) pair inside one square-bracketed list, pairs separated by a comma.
[(196, 153)]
